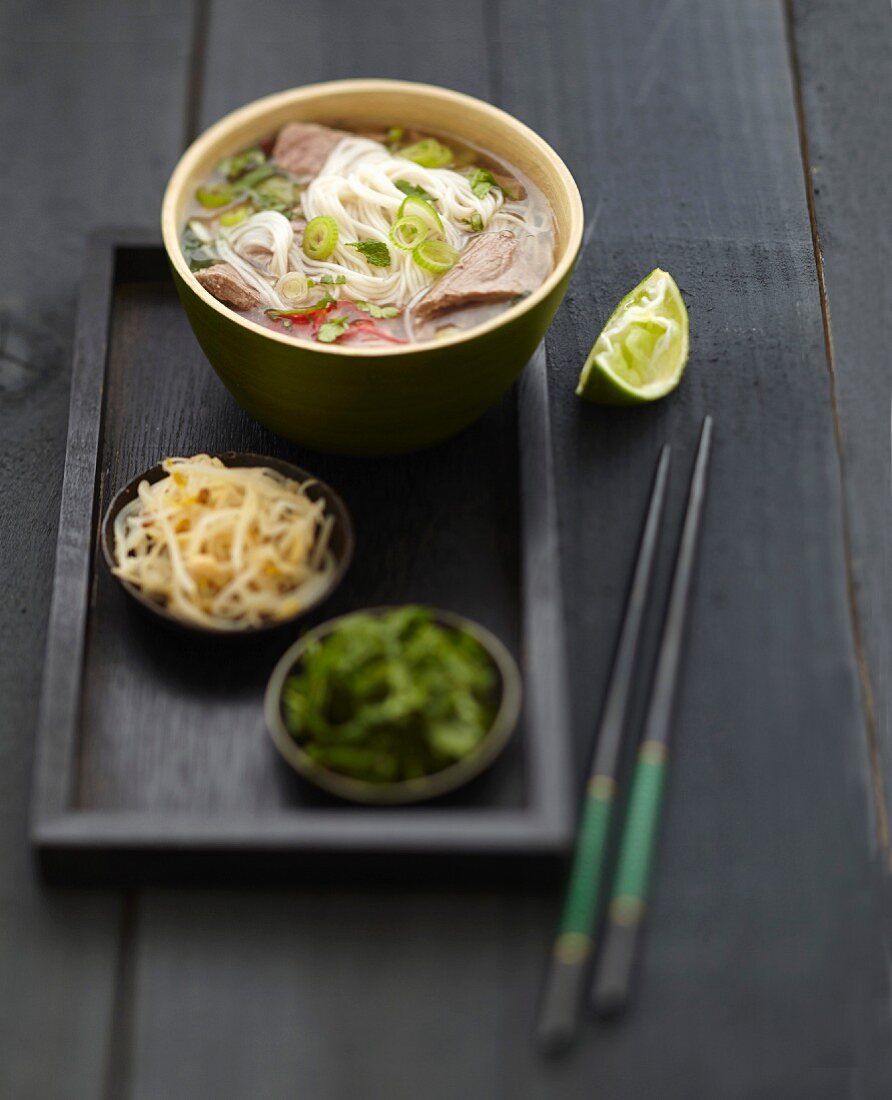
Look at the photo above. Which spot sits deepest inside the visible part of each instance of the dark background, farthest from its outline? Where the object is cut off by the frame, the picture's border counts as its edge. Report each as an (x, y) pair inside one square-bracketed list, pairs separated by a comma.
[(741, 144)]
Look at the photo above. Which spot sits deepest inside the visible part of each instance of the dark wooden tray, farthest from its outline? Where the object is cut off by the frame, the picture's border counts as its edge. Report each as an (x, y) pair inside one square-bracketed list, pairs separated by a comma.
[(152, 759)]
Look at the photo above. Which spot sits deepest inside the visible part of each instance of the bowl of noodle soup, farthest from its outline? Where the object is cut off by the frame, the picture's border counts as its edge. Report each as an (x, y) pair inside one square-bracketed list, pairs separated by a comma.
[(366, 341), (228, 545)]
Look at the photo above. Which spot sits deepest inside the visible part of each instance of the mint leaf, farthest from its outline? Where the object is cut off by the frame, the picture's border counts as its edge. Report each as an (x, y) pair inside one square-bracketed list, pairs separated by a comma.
[(413, 190), (377, 311), (331, 330), (481, 181), (376, 252)]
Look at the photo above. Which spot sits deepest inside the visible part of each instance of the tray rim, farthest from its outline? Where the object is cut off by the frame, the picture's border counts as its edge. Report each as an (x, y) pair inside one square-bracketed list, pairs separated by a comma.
[(59, 830)]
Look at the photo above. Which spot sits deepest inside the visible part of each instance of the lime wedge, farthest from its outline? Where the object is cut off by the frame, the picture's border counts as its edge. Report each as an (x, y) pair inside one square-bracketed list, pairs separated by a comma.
[(642, 351)]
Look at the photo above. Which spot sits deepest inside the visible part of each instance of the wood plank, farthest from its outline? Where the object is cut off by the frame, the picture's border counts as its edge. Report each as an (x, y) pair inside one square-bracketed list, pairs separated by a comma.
[(763, 974), (767, 914), (844, 59), (76, 79)]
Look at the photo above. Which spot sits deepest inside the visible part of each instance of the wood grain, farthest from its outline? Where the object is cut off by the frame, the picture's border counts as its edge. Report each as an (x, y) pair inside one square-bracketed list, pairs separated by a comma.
[(76, 78), (844, 61), (678, 120), (765, 974)]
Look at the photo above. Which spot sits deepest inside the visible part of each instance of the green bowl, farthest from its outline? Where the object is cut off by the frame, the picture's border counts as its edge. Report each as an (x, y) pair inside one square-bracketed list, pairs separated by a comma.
[(373, 400), (401, 792)]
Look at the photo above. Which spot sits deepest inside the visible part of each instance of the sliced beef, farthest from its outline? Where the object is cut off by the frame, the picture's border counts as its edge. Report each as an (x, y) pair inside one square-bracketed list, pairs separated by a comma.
[(302, 148), (491, 269), (228, 287)]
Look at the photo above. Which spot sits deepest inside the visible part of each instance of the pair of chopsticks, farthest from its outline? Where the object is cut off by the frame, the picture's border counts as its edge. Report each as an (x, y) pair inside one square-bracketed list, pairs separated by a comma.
[(574, 944)]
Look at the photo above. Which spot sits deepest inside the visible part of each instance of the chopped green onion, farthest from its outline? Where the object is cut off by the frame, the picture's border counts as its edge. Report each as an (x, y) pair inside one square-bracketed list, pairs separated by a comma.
[(475, 222), (293, 287), (395, 134), (236, 214), (435, 256), (333, 280), (408, 231), (482, 181), (257, 176), (235, 167), (276, 193), (413, 189), (211, 197), (377, 311), (429, 153), (320, 238), (413, 206), (376, 252)]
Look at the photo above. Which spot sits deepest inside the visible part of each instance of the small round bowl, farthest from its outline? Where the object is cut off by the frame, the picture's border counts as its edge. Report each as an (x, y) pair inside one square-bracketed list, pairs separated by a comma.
[(373, 400), (342, 542), (405, 790)]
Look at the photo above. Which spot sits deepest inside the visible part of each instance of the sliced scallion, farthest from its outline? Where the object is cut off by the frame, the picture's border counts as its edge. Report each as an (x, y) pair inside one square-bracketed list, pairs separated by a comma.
[(257, 175), (435, 256), (409, 231), (429, 153), (415, 207), (236, 214), (293, 287), (320, 237), (212, 197)]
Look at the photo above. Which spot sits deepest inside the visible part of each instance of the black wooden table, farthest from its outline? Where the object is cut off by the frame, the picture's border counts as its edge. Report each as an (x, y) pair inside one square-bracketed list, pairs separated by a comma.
[(744, 146)]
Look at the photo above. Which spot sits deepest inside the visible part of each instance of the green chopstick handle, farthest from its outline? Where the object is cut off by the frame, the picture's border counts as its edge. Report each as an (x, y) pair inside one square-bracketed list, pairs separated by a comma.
[(561, 999), (632, 880)]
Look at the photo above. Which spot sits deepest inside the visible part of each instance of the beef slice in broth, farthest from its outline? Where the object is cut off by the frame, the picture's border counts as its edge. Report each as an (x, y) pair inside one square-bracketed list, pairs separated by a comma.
[(491, 269), (228, 287), (302, 148)]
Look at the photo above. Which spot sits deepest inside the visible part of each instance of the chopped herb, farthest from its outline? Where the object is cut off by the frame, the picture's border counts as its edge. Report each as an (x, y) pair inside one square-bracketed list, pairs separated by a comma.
[(414, 190), (391, 696), (333, 280), (376, 252), (234, 168), (274, 192), (199, 254), (482, 181), (475, 222), (377, 311), (395, 134), (331, 330)]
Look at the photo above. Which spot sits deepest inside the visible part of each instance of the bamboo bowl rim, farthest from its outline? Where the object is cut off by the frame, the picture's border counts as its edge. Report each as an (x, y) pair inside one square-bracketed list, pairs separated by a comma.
[(216, 134)]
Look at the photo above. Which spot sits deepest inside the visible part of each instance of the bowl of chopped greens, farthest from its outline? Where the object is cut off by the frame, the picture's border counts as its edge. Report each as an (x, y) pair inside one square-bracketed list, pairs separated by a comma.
[(393, 705)]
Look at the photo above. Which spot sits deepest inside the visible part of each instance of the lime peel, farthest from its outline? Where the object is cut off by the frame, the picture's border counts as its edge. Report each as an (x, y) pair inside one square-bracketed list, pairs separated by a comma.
[(642, 351)]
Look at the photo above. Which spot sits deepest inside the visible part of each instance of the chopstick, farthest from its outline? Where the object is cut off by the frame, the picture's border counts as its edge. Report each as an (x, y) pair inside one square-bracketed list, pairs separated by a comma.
[(614, 973), (562, 997)]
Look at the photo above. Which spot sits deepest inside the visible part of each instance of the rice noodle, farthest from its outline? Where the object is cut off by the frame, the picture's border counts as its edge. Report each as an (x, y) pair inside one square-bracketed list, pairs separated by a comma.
[(225, 546), (356, 187)]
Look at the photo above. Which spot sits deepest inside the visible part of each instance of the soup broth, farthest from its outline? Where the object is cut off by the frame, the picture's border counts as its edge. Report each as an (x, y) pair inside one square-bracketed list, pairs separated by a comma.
[(340, 235)]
